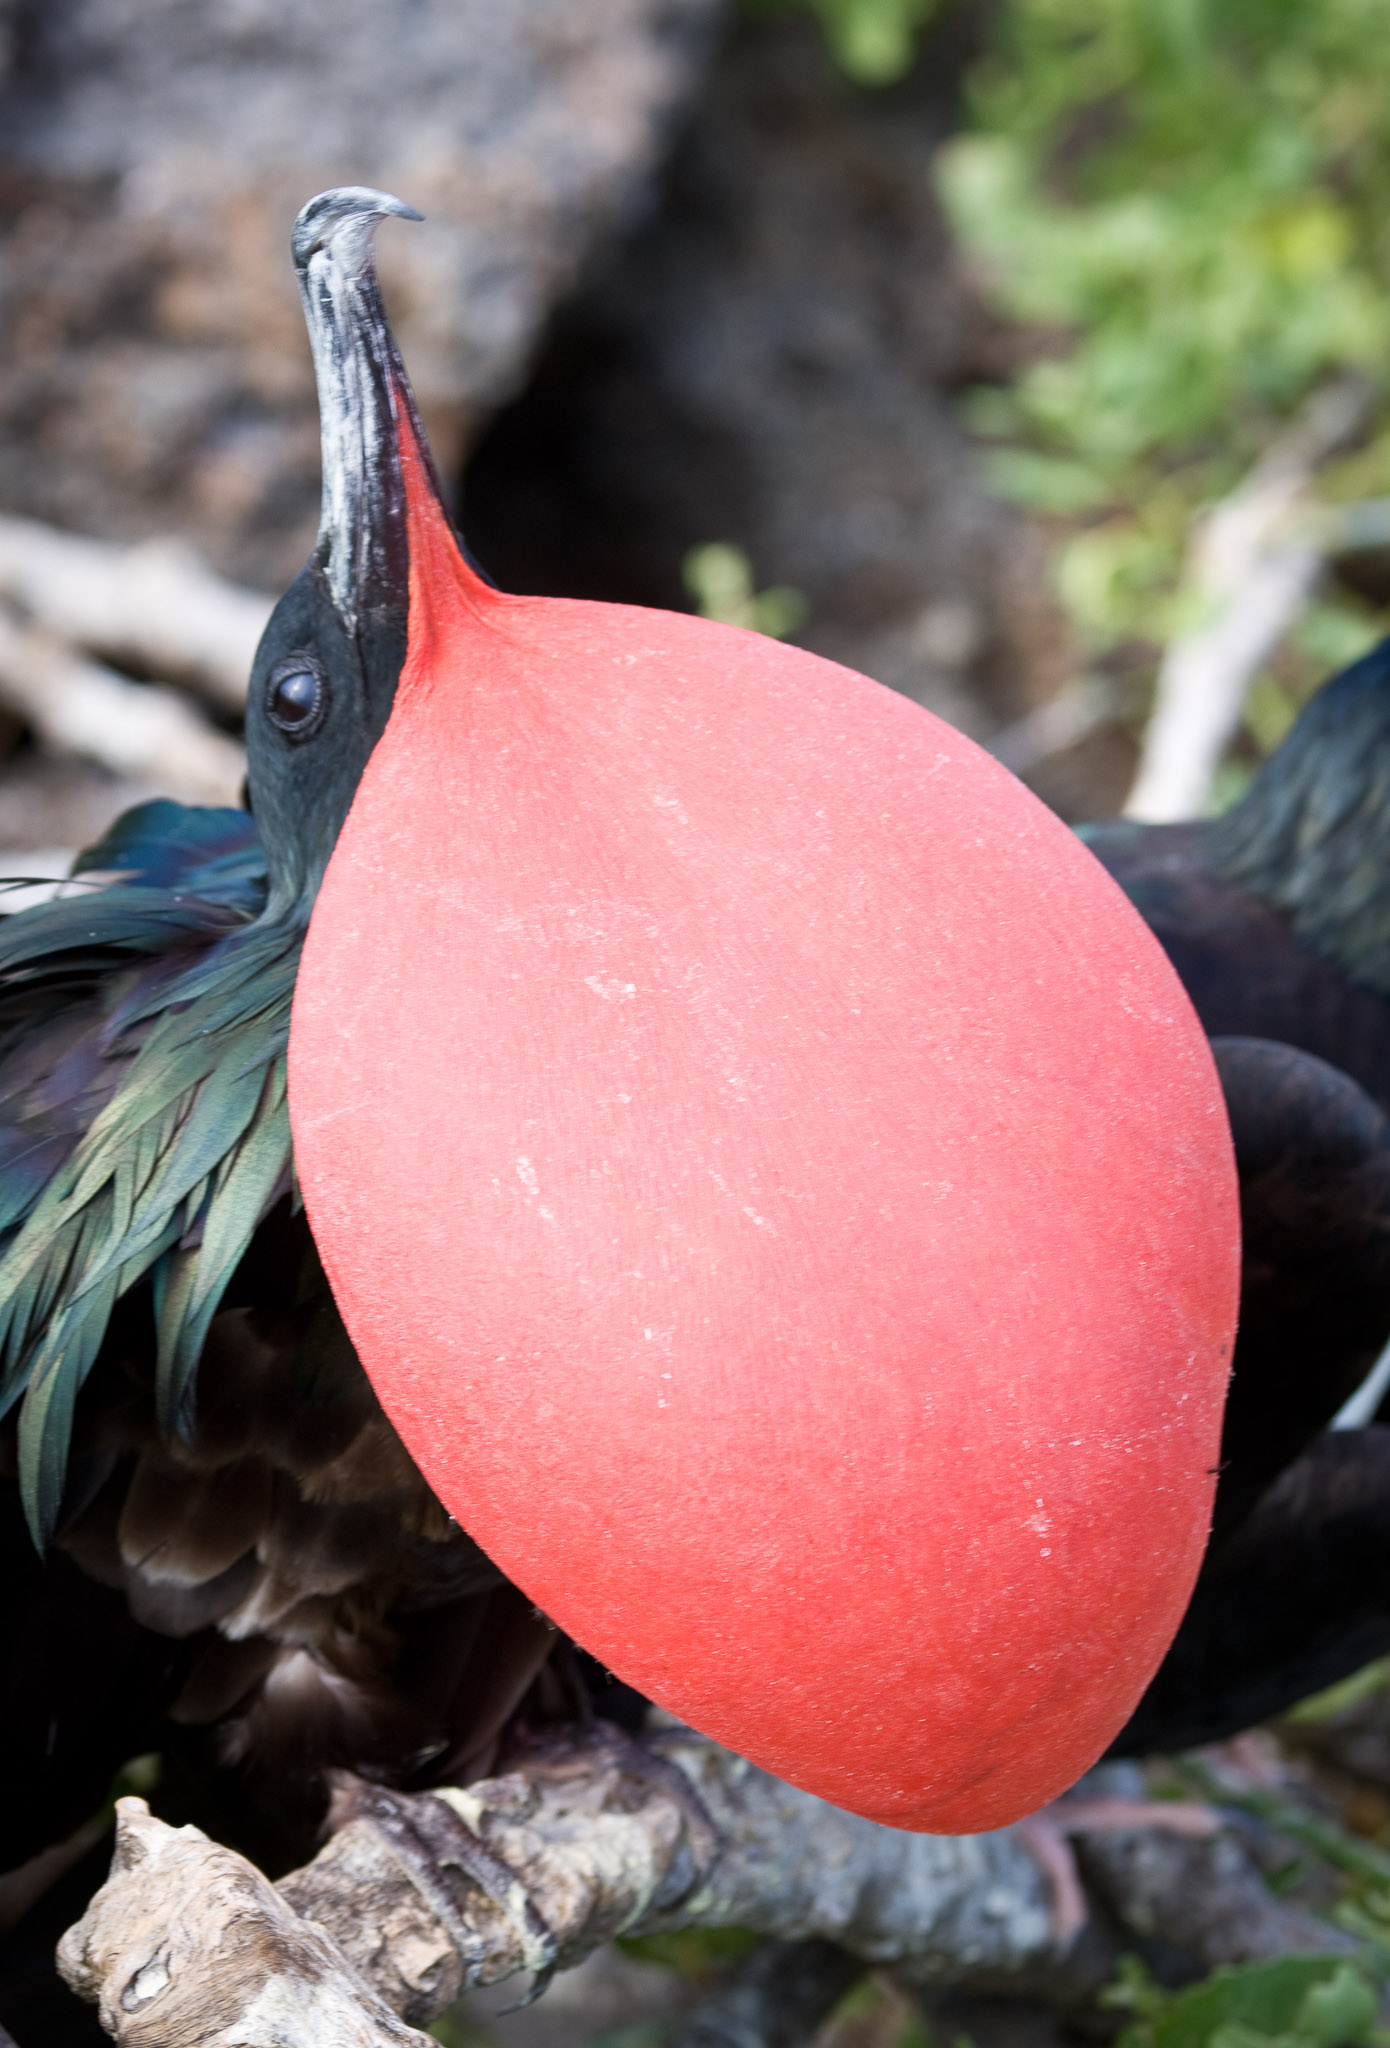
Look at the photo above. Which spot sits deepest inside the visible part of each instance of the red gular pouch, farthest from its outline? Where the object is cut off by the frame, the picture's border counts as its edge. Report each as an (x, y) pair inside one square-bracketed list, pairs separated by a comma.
[(777, 1187)]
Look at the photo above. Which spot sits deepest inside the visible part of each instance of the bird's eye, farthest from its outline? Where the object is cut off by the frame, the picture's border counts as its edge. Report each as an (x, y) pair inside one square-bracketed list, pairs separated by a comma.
[(296, 699)]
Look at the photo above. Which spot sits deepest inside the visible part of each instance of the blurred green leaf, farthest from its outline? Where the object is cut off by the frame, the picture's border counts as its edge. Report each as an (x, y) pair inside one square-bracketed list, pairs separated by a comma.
[(1337, 1699), (691, 1951), (720, 579), (456, 2032), (139, 1775), (872, 41), (1296, 2002), (641, 2034)]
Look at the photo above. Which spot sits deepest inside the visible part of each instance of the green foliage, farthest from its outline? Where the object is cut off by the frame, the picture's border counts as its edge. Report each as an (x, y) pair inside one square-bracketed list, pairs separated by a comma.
[(878, 2012), (456, 2031), (1295, 2002), (641, 2034), (1337, 1699), (691, 1951), (1191, 197), (138, 1777), (872, 41), (720, 579), (1360, 1861)]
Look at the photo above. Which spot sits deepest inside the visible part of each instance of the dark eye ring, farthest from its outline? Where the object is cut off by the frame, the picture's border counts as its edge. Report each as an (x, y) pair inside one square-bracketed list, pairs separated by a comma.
[(296, 697)]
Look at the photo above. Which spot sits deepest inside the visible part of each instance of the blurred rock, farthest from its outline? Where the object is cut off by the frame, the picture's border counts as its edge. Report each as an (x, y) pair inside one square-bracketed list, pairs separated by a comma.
[(771, 361), (50, 807), (154, 375)]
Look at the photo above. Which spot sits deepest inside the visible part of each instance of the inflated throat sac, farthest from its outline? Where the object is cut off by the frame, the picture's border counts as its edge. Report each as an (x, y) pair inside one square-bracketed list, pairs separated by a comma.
[(778, 1189)]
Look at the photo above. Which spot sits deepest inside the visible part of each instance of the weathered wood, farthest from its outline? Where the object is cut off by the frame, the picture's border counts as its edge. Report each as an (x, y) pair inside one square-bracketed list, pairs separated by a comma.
[(188, 1946), (417, 1897)]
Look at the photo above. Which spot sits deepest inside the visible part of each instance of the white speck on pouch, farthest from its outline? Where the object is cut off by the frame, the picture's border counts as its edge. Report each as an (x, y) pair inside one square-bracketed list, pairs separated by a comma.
[(612, 990), (751, 1214), (527, 1175)]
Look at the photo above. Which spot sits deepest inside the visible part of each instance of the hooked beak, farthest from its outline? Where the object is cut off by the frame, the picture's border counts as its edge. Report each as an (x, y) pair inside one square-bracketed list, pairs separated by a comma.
[(363, 392), (345, 620), (379, 479)]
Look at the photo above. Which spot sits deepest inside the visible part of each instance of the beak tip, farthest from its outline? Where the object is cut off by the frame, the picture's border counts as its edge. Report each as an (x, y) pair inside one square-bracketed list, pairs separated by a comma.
[(342, 221)]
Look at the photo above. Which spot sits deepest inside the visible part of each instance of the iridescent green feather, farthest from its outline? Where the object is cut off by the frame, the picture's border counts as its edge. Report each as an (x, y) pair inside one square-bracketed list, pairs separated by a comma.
[(187, 1146)]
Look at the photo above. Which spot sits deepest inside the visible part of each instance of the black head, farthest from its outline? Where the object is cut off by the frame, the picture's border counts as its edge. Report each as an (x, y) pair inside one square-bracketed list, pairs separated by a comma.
[(1312, 833), (325, 673)]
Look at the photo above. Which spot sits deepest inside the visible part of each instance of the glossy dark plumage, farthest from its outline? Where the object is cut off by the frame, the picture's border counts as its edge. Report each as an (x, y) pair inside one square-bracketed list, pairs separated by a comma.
[(1277, 918), (143, 1028), (289, 1577), (1295, 1598)]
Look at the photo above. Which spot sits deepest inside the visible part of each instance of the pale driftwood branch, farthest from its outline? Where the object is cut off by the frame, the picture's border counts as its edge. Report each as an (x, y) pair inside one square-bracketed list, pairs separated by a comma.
[(77, 706), (157, 606), (1254, 562), (607, 1838), (188, 1944), (416, 1898)]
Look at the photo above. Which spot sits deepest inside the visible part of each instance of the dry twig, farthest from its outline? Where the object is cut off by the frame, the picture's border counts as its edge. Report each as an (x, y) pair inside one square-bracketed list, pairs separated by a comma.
[(1255, 560)]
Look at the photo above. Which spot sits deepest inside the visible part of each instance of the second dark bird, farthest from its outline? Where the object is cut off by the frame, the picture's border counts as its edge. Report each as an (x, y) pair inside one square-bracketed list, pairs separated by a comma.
[(1277, 918)]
